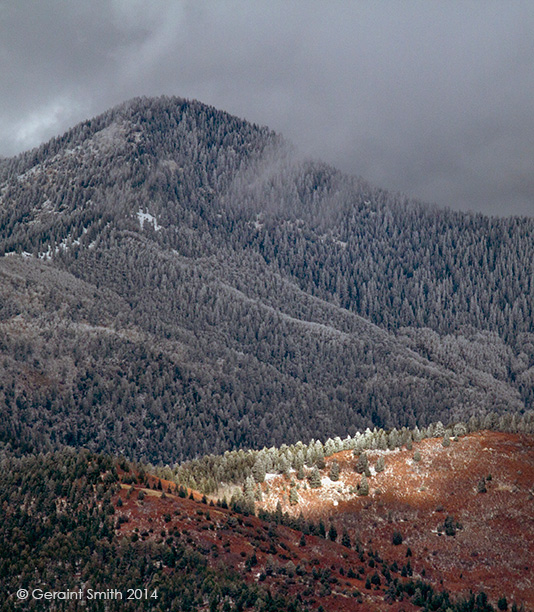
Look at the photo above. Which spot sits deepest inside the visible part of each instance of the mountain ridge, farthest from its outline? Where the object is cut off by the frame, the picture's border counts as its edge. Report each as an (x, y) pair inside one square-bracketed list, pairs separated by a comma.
[(222, 253)]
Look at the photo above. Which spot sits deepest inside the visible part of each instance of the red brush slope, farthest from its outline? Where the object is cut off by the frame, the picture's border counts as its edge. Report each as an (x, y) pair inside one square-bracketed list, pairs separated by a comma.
[(492, 548)]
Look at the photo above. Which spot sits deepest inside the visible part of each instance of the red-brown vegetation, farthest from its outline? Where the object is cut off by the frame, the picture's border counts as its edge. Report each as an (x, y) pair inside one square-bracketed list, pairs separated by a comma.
[(492, 548)]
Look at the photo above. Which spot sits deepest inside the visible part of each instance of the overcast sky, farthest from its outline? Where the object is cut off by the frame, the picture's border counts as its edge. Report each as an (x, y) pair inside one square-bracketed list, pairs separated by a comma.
[(435, 99)]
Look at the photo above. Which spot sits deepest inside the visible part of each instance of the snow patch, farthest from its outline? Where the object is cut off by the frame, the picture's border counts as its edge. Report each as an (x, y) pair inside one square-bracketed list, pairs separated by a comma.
[(258, 222), (64, 245), (147, 217), (341, 243)]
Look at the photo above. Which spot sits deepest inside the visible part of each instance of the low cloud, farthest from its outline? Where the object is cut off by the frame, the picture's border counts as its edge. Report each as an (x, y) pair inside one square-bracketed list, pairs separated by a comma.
[(430, 99)]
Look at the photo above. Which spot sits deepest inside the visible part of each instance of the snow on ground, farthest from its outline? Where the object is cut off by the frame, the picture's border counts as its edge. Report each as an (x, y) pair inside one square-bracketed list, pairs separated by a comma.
[(147, 217), (341, 243)]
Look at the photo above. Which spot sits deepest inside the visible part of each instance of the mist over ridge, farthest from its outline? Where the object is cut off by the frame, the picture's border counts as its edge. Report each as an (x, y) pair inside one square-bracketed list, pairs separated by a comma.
[(433, 101)]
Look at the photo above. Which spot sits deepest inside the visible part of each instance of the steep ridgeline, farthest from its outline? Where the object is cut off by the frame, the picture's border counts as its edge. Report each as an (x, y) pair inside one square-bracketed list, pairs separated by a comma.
[(176, 281)]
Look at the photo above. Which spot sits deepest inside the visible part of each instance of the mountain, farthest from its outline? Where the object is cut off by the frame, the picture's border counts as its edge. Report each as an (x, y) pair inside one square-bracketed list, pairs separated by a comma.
[(176, 281)]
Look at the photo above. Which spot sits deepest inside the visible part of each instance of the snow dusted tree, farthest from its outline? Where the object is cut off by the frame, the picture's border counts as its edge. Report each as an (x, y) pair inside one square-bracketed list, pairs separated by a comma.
[(315, 478), (473, 424), (259, 470), (393, 439), (319, 455), (380, 464), (363, 488), (358, 444), (311, 454), (283, 465), (334, 471), (459, 430), (299, 460), (362, 464), (439, 430), (329, 448), (249, 494)]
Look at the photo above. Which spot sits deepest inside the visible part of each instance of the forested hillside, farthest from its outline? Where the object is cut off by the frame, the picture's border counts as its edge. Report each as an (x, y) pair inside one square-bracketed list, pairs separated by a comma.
[(104, 534), (60, 532), (176, 281)]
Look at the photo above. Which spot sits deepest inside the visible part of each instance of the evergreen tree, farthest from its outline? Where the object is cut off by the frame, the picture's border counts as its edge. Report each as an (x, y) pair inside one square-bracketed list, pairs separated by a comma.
[(259, 470), (380, 464), (362, 464), (363, 489), (332, 533), (319, 455), (334, 471), (315, 478)]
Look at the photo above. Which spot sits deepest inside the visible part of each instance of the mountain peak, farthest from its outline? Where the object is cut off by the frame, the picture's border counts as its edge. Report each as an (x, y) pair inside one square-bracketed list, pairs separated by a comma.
[(279, 298)]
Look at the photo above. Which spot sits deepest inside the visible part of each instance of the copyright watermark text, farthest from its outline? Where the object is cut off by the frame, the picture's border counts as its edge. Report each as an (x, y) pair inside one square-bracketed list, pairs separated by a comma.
[(87, 594)]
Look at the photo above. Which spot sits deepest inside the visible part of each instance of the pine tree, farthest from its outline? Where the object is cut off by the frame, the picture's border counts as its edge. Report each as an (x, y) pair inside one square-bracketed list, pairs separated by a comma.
[(334, 471), (332, 533), (363, 489), (315, 478), (439, 430), (393, 439), (259, 470), (380, 464), (293, 496), (249, 495), (362, 465), (319, 455)]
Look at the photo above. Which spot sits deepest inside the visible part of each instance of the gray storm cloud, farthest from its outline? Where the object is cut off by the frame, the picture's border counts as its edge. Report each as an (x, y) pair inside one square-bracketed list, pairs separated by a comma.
[(432, 99)]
